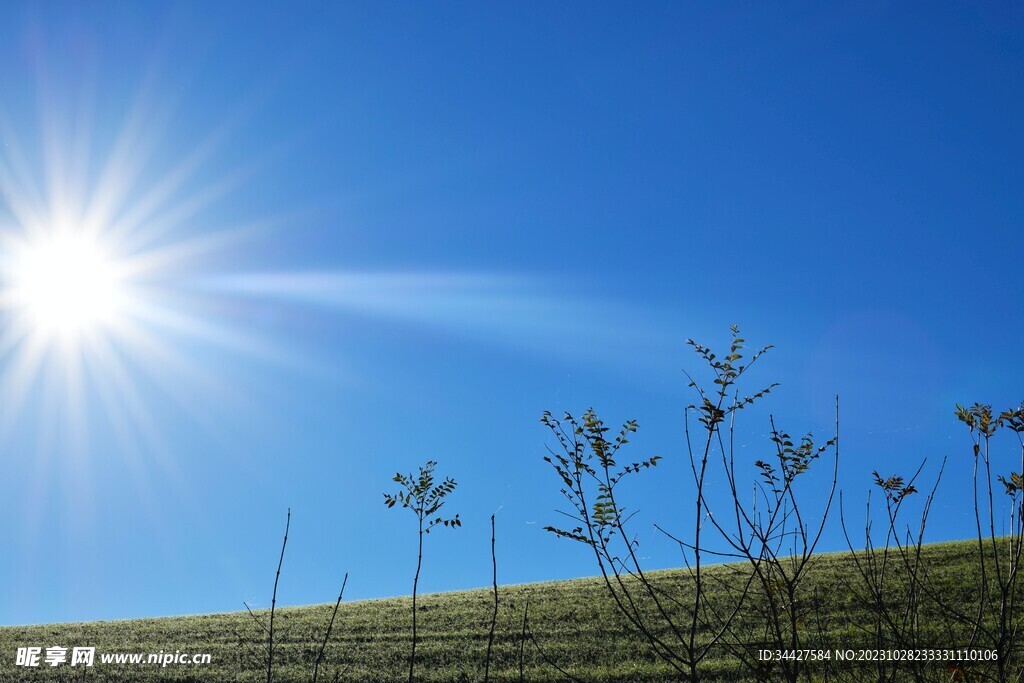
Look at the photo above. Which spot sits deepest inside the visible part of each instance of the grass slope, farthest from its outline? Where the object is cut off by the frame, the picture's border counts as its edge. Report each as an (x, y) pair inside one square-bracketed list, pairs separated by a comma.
[(574, 621)]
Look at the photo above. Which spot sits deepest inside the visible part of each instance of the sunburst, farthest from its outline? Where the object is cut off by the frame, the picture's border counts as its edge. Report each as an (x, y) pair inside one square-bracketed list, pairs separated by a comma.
[(66, 284)]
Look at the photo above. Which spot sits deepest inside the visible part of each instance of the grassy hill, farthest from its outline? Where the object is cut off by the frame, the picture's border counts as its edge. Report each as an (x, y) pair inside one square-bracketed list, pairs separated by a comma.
[(574, 622)]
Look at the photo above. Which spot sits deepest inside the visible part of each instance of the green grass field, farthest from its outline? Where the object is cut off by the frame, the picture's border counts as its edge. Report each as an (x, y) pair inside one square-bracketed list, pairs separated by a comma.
[(573, 621)]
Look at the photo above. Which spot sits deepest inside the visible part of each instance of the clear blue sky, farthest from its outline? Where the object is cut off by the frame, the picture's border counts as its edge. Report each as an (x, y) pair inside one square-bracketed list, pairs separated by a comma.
[(375, 234)]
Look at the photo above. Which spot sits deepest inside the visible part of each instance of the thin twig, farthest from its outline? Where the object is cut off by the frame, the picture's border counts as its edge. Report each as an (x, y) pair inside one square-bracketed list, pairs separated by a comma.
[(273, 603), (330, 626), (494, 616), (522, 639)]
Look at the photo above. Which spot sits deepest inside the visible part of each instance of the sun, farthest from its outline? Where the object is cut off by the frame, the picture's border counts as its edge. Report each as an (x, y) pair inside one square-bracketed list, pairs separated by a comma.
[(67, 284)]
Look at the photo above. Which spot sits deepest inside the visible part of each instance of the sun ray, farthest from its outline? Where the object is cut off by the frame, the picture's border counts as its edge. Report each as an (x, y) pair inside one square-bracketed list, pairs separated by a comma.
[(98, 320)]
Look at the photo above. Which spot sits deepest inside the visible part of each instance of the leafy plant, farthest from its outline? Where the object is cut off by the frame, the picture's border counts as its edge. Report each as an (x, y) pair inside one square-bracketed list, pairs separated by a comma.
[(775, 537), (589, 468), (891, 580), (424, 497), (591, 475), (999, 560), (770, 535)]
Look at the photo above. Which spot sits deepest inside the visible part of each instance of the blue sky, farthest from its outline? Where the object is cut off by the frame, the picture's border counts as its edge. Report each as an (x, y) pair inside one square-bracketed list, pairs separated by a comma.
[(376, 234)]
